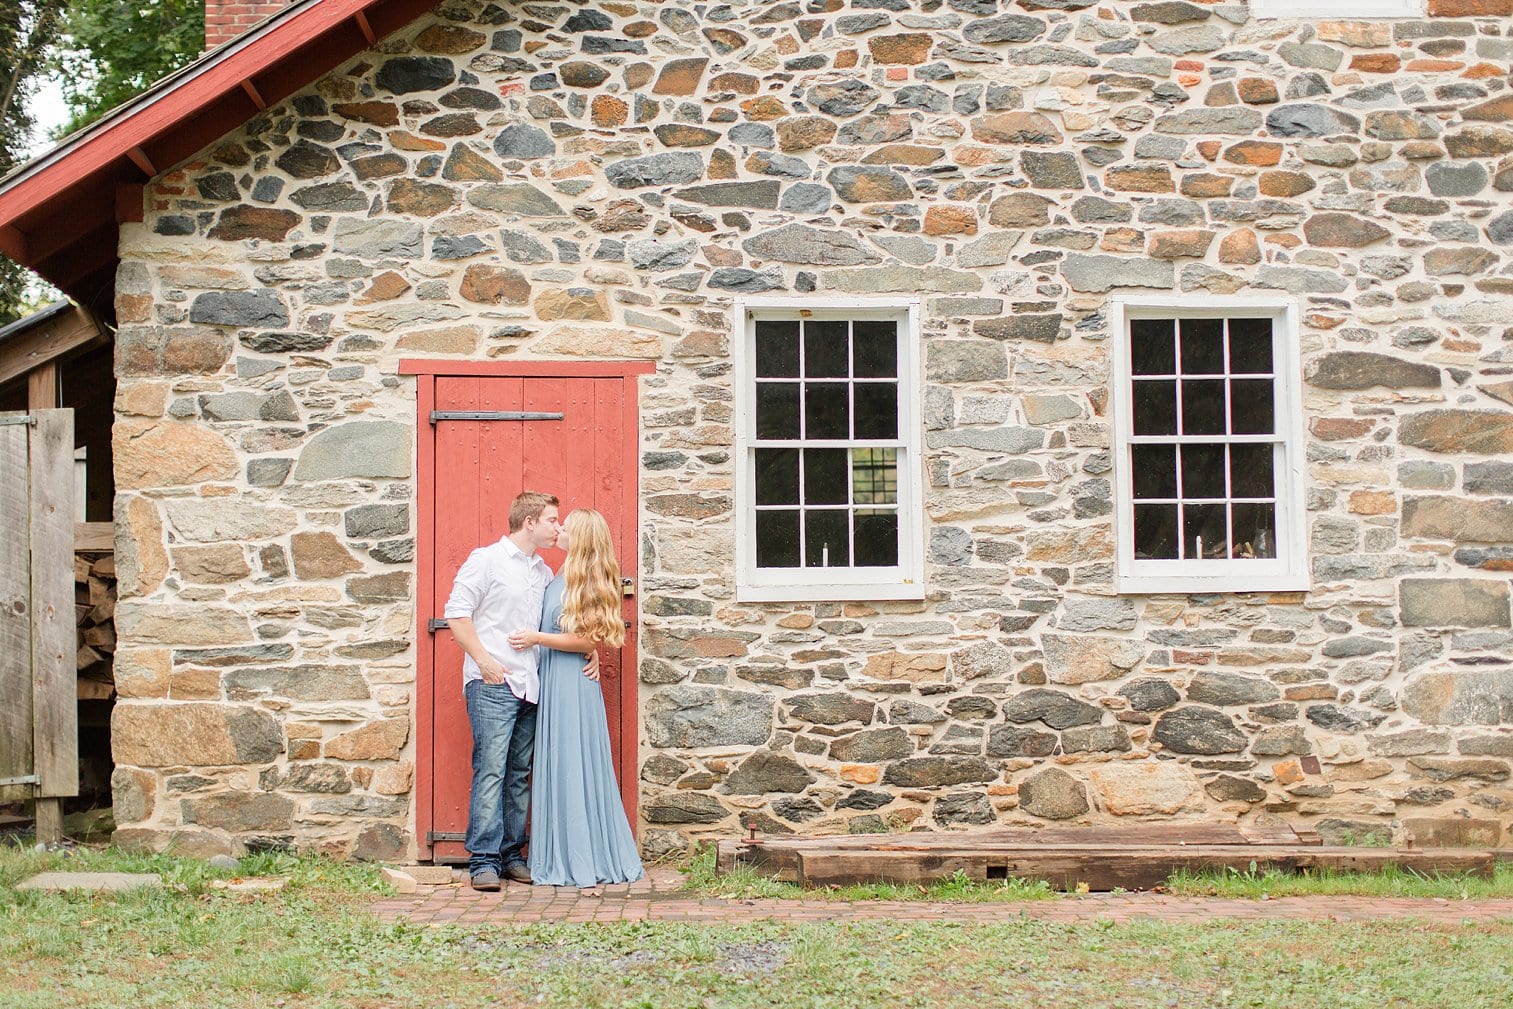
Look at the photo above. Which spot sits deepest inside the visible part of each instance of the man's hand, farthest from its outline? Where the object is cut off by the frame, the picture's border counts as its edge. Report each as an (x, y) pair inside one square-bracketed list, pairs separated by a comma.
[(493, 672), (591, 667)]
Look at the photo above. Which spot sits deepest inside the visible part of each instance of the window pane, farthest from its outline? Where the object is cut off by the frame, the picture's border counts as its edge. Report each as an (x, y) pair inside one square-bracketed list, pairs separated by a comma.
[(777, 349), (1250, 471), (1205, 523), (1202, 471), (1155, 407), (826, 412), (827, 538), (874, 476), (876, 409), (777, 539), (1249, 346), (1202, 346), (1156, 532), (1255, 530), (1154, 468), (777, 476), (777, 410), (874, 349), (1152, 351), (1250, 406), (876, 538), (1203, 406), (826, 353), (825, 476)]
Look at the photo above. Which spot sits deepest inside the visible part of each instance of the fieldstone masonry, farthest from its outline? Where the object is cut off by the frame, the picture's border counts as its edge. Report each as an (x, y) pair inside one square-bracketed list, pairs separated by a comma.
[(599, 180)]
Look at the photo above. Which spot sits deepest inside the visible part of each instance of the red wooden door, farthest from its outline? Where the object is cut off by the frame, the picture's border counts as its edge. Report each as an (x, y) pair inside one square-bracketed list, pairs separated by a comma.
[(569, 435)]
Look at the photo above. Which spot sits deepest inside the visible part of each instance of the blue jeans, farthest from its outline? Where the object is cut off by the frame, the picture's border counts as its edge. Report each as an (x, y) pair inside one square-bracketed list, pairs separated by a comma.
[(504, 734)]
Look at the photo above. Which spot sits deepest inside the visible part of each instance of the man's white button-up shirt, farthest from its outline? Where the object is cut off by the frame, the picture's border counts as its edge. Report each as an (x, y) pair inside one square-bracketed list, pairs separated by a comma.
[(500, 587)]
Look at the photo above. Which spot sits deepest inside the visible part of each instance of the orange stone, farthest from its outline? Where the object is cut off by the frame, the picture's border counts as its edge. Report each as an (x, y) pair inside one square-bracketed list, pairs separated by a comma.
[(1208, 148), (1285, 184), (1376, 63), (1259, 153), (1240, 247), (1373, 502), (1432, 66), (862, 774), (1470, 8), (1206, 185), (385, 287), (1340, 428), (1288, 772), (680, 77), (845, 59), (950, 220), (607, 110), (765, 107), (911, 50), (1122, 240), (1257, 91), (1139, 179)]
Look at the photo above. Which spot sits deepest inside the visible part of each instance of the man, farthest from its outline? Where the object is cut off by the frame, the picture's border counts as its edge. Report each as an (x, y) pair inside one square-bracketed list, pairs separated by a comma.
[(499, 589)]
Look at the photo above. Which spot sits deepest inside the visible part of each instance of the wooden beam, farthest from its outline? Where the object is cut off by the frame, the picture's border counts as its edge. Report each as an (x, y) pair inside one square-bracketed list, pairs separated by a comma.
[(130, 198), (251, 91), (94, 537), (55, 709), (13, 243), (42, 387), (48, 341), (363, 26), (49, 820), (139, 158)]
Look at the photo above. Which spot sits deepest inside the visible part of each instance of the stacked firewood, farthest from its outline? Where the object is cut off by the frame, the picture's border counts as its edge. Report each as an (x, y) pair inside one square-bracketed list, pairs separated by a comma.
[(95, 607)]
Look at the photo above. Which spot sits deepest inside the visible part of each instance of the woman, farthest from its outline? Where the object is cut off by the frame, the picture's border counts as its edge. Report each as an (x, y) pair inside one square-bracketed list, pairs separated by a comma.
[(579, 834)]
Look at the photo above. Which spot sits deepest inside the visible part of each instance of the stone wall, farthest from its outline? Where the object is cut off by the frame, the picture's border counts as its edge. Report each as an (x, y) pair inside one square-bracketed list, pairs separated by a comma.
[(533, 179)]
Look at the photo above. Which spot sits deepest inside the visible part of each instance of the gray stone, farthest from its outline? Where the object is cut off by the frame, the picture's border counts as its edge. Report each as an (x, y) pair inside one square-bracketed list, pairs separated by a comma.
[(1020, 741), (1053, 794), (1097, 274), (1229, 788), (650, 254), (1335, 718), (982, 660), (760, 195), (971, 808), (1412, 743), (1007, 28), (764, 772), (1096, 739), (1052, 169), (1149, 694), (376, 521), (331, 198), (1461, 520), (1482, 432), (375, 448), (1309, 120), (847, 97), (239, 308), (1315, 56), (736, 278), (405, 74), (208, 520), (1097, 614), (830, 709), (1204, 731), (753, 135), (1353, 370), (1053, 707), (1225, 689), (522, 140), (300, 682), (989, 250), (1299, 280), (666, 169), (1184, 41), (1354, 646), (950, 545), (906, 712), (799, 243), (805, 198), (924, 772), (693, 716), (1454, 602), (873, 746), (1234, 121), (868, 184), (1452, 768), (519, 198), (889, 279), (378, 239), (268, 472), (92, 882), (1489, 478), (1076, 658), (684, 807), (965, 361)]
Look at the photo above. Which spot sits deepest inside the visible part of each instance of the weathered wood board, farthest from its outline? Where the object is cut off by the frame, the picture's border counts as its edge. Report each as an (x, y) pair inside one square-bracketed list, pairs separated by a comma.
[(54, 629), (15, 618)]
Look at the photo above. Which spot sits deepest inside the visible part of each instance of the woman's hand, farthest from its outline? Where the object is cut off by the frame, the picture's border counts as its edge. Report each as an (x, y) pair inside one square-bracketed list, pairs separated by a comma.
[(523, 639)]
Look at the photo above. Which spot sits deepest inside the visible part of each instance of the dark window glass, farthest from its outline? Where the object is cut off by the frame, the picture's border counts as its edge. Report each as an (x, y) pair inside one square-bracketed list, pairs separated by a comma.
[(826, 412), (1152, 351), (777, 349), (1155, 407), (825, 476), (876, 409), (1154, 468), (826, 353), (876, 538), (1203, 406), (1250, 410), (1208, 523), (1255, 530), (777, 476), (1250, 471), (777, 539), (777, 410), (1202, 471), (874, 349), (1202, 346), (874, 476), (1249, 346), (1156, 532), (827, 538)]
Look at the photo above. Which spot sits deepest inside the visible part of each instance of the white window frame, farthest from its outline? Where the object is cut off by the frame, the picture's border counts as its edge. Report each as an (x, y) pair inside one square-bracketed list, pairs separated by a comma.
[(1348, 10), (1289, 570), (906, 581)]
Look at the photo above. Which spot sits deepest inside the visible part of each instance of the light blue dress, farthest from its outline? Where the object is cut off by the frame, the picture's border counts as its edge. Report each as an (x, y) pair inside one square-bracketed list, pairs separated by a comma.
[(579, 834)]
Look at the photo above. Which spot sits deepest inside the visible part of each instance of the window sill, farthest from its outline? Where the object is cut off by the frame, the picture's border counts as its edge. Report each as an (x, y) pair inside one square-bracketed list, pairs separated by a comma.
[(829, 592), (1150, 585)]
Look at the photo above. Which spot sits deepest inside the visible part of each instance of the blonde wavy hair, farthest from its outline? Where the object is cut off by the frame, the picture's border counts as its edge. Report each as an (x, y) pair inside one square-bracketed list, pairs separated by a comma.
[(591, 602)]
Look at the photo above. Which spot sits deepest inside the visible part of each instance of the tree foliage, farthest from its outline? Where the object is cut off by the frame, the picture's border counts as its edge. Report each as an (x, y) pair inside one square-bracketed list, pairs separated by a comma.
[(113, 50), (28, 30)]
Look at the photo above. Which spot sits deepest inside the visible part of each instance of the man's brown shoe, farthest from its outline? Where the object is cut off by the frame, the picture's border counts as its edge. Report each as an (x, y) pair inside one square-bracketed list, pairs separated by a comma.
[(517, 872)]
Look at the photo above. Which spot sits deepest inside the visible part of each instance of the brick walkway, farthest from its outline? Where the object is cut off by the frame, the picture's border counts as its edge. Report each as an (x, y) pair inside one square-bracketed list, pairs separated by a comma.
[(659, 899)]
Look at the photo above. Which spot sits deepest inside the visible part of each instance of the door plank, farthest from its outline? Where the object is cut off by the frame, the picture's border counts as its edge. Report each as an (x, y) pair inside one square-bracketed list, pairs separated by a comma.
[(54, 629), (15, 618)]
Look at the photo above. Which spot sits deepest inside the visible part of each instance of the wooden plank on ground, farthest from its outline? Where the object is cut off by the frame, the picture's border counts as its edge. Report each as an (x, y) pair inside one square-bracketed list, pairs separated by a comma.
[(1101, 869), (15, 602), (54, 633)]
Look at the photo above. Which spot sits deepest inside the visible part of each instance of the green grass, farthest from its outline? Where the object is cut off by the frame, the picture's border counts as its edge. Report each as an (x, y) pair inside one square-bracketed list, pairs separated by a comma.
[(1390, 882), (315, 945), (746, 883)]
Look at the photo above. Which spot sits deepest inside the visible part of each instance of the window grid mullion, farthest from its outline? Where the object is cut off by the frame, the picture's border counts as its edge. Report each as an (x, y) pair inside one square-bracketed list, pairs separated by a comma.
[(1181, 430), (1229, 393)]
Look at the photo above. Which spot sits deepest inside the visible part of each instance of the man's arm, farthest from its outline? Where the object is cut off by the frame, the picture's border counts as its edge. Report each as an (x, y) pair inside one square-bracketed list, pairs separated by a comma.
[(466, 635)]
